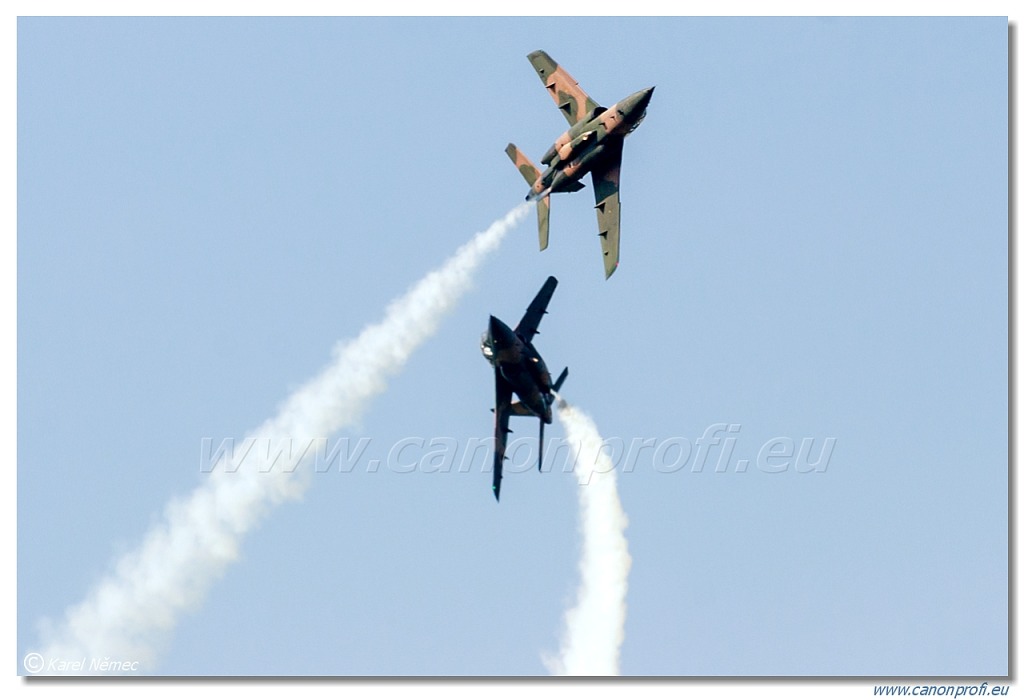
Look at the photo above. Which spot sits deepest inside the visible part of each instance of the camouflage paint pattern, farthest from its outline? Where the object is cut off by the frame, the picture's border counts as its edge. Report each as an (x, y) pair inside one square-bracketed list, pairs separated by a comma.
[(532, 176), (606, 194), (564, 90), (592, 144)]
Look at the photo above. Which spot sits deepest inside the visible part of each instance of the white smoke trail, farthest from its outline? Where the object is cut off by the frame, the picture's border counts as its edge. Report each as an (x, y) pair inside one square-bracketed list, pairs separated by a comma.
[(127, 616), (595, 626)]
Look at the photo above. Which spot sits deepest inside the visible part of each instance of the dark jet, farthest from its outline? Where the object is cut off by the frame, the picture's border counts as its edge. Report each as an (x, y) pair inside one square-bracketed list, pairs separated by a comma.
[(593, 144), (519, 369)]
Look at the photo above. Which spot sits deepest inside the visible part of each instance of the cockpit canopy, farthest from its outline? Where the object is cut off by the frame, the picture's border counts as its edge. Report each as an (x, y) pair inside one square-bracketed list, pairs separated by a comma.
[(486, 347), (635, 124)]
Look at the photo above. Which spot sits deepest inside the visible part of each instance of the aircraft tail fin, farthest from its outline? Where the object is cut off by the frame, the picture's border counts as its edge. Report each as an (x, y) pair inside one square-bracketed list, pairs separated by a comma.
[(556, 387), (540, 446), (543, 220)]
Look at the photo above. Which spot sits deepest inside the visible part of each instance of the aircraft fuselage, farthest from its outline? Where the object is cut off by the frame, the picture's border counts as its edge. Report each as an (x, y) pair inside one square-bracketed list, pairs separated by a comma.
[(519, 371), (521, 366), (577, 151)]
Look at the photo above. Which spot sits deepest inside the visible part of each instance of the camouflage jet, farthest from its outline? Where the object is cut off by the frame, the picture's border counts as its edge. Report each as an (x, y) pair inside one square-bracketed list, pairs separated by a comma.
[(593, 144), (519, 369)]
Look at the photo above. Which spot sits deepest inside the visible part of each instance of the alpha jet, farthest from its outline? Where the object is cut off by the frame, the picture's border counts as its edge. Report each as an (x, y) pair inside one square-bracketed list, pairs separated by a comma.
[(520, 370), (593, 144)]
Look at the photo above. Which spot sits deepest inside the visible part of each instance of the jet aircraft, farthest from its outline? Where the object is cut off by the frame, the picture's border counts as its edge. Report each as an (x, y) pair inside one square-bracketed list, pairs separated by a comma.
[(519, 369), (593, 144)]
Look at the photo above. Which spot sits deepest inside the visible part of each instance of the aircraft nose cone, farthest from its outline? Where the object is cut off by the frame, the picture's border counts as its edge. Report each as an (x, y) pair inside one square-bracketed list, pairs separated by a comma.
[(500, 335), (636, 104), (645, 97)]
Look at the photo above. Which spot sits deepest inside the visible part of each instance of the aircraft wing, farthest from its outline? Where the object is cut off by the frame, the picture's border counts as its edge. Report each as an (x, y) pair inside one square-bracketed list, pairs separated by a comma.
[(527, 327), (503, 397), (606, 193), (564, 90)]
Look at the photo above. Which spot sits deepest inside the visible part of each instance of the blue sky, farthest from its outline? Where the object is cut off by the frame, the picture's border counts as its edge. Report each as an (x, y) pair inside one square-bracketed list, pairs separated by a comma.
[(814, 246)]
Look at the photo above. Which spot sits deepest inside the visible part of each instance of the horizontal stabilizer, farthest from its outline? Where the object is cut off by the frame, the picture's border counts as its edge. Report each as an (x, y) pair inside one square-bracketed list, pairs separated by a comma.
[(561, 379), (523, 164)]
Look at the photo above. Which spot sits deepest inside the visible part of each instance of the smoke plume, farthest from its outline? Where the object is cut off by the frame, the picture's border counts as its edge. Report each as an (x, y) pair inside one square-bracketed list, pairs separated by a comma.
[(129, 614), (595, 625)]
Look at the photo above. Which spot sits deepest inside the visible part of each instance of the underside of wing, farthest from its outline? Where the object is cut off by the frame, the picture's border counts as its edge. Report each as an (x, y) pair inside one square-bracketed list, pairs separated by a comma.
[(572, 101), (503, 397), (606, 195), (518, 409), (527, 327)]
